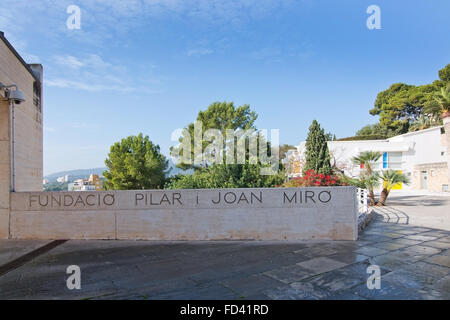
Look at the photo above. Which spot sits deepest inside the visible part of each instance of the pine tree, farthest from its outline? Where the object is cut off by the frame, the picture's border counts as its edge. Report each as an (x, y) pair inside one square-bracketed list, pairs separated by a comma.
[(317, 155), (135, 163)]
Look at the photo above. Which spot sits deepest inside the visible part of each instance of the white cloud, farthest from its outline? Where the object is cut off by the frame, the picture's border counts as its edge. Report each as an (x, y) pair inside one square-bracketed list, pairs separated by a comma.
[(101, 19), (49, 129), (199, 52), (90, 72), (87, 85), (266, 53), (89, 61), (69, 61), (84, 125)]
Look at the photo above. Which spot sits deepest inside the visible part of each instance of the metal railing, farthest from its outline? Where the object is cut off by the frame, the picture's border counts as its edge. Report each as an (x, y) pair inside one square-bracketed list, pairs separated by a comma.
[(361, 198)]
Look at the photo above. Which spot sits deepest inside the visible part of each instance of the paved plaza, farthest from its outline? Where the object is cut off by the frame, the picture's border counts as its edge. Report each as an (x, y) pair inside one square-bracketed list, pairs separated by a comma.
[(414, 262)]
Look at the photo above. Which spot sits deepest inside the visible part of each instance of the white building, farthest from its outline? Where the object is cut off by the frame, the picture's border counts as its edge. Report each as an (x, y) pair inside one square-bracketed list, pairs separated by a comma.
[(63, 179), (94, 183), (420, 155)]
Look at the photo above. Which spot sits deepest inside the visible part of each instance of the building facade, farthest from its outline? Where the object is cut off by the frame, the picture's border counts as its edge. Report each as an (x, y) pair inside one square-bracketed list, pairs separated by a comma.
[(21, 157), (94, 183), (421, 155)]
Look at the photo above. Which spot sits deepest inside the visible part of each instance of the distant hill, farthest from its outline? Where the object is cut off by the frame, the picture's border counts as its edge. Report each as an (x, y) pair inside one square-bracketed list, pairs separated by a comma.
[(84, 173)]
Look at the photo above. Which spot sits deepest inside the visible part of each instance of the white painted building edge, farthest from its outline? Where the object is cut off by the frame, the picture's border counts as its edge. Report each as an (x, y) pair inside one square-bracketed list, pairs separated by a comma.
[(422, 147)]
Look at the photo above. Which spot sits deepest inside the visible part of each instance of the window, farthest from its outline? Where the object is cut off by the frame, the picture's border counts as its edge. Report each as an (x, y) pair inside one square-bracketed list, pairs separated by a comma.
[(37, 96), (392, 160)]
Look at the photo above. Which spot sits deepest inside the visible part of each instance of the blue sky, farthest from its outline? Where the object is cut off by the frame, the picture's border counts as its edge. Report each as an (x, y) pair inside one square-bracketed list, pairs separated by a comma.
[(150, 65)]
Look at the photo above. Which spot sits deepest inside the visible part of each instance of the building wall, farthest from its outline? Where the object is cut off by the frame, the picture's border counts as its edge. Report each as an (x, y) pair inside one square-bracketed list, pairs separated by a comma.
[(425, 150), (436, 176), (447, 142), (427, 157), (28, 134), (4, 169)]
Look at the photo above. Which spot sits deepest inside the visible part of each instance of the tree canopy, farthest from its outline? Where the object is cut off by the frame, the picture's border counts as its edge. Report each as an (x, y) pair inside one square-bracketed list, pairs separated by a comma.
[(135, 163), (284, 149), (226, 176), (241, 167), (220, 116), (317, 154), (402, 105)]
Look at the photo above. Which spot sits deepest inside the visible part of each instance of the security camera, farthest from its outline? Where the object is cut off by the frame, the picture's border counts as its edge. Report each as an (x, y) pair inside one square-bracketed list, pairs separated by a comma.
[(16, 96)]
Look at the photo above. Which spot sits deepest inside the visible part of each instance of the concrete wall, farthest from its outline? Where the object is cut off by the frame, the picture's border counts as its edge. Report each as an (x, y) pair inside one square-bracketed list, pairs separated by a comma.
[(27, 124), (27, 137), (447, 142), (4, 169), (260, 214)]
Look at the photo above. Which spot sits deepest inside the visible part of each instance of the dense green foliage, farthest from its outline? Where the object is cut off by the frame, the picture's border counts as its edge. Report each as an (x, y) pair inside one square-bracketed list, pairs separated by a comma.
[(369, 179), (365, 137), (225, 116), (56, 186), (403, 107), (226, 176), (317, 154), (220, 116), (135, 163), (284, 149)]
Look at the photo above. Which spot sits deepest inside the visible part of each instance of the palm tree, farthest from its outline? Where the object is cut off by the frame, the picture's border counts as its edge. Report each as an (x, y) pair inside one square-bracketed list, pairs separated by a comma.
[(368, 178), (390, 179), (421, 123), (443, 99), (367, 158)]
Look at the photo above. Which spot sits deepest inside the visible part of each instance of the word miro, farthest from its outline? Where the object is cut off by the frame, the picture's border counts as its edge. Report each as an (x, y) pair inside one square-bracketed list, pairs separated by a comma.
[(374, 280), (74, 20), (74, 280), (374, 20)]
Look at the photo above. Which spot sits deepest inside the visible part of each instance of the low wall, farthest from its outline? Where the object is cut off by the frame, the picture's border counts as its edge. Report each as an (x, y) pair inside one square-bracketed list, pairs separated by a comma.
[(212, 214)]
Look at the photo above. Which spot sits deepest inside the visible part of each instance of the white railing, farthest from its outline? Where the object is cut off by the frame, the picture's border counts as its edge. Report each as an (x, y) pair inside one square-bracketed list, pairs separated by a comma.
[(361, 198)]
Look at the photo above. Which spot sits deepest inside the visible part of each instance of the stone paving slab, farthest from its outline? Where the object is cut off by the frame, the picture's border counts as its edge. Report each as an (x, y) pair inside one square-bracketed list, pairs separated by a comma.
[(13, 249), (371, 251), (442, 260), (321, 265), (289, 274)]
